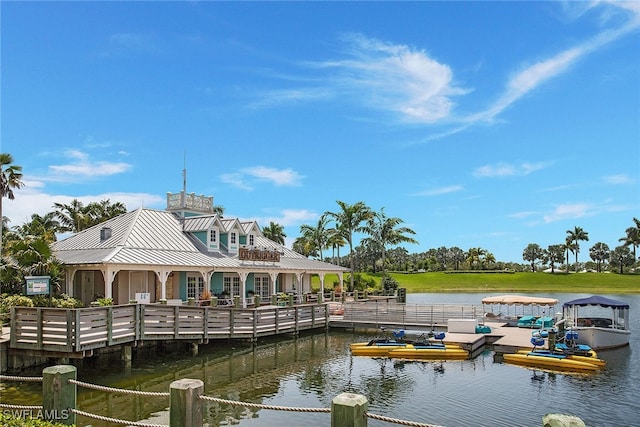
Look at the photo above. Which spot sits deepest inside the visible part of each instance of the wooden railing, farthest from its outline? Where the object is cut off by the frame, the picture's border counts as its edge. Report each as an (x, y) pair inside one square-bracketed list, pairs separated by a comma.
[(79, 330), (385, 312)]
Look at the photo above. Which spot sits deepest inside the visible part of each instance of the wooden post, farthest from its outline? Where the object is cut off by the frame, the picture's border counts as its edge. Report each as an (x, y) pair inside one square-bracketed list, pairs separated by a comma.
[(185, 406), (349, 410), (320, 297), (58, 395), (126, 355)]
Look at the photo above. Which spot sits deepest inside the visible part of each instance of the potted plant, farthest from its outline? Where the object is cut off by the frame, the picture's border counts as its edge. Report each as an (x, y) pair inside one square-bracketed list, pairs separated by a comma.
[(205, 297)]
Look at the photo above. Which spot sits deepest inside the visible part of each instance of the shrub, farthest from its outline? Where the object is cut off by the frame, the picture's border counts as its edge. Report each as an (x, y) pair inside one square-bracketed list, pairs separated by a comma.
[(389, 283), (8, 301), (7, 420), (104, 302)]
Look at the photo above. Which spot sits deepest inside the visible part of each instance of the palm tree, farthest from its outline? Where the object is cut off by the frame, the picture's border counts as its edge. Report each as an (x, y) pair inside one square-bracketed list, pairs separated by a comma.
[(304, 246), (532, 253), (98, 212), (475, 256), (318, 235), (457, 256), (349, 220), (386, 231), (274, 232), (335, 240), (45, 226), (553, 254), (599, 252), (72, 216), (633, 237), (575, 236), (10, 178)]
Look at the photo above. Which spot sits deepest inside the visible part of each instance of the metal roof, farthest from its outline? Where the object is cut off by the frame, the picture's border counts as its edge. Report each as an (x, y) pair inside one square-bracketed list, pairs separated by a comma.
[(152, 237)]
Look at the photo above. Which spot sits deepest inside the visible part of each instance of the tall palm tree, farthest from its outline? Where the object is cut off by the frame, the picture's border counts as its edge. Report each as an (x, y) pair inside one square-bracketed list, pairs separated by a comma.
[(475, 256), (599, 252), (349, 219), (45, 226), (318, 234), (72, 216), (575, 236), (10, 178), (632, 237), (335, 240), (274, 232), (386, 231)]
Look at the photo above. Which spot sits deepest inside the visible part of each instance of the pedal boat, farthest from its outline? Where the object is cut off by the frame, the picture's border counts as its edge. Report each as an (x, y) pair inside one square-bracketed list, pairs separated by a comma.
[(429, 351), (376, 347), (592, 358)]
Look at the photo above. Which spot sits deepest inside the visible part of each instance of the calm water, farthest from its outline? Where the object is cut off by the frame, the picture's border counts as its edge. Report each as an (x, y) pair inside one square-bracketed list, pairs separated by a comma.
[(312, 370)]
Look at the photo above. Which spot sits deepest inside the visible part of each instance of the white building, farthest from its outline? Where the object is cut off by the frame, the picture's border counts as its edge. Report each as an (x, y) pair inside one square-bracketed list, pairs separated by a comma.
[(176, 254)]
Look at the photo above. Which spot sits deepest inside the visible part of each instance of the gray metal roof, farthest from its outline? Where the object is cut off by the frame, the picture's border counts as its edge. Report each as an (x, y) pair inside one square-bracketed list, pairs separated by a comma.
[(151, 237)]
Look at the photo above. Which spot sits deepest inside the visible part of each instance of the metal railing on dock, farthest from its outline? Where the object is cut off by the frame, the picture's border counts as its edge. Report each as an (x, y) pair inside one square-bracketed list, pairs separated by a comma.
[(381, 313)]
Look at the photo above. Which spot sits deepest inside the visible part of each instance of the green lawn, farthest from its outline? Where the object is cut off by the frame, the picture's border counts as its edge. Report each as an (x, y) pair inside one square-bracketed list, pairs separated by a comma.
[(594, 283)]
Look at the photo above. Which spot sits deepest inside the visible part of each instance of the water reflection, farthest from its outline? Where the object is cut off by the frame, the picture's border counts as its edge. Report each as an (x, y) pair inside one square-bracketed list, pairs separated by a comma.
[(311, 370)]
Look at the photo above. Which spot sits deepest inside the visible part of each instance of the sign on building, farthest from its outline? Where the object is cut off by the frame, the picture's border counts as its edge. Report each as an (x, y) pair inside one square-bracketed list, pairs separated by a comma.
[(37, 285)]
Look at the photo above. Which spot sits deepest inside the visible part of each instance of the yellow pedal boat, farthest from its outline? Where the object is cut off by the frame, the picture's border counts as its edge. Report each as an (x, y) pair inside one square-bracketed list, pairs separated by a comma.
[(591, 357), (376, 348), (548, 360), (429, 351)]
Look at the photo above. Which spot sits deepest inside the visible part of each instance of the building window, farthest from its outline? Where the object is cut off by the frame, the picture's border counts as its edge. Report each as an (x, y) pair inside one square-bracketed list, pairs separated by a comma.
[(213, 236), (231, 285), (261, 285), (251, 240), (234, 238), (195, 286)]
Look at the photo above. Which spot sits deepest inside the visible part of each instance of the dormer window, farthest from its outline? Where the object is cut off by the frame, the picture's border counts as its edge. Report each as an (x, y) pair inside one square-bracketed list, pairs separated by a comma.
[(251, 240), (233, 238), (213, 238)]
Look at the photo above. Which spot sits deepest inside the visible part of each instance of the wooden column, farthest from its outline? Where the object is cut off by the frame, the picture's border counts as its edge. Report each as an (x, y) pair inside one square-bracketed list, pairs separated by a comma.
[(58, 395), (349, 410), (185, 404)]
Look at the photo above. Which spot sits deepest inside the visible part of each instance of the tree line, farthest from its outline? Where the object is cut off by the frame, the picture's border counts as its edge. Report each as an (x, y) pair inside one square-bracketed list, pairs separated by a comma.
[(26, 249), (622, 257)]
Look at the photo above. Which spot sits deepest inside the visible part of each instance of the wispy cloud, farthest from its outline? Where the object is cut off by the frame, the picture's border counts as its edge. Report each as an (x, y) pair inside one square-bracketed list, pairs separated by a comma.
[(618, 179), (81, 164), (569, 211), (397, 78), (531, 76), (441, 190), (505, 169), (246, 178)]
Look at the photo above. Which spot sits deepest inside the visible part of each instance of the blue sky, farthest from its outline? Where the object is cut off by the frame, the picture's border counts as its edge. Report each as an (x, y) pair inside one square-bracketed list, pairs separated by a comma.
[(490, 124)]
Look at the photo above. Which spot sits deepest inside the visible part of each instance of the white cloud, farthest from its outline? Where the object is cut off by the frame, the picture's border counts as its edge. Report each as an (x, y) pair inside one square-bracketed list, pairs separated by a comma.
[(246, 177), (81, 164), (441, 190), (531, 76), (569, 211), (280, 177), (32, 200), (504, 169), (618, 179)]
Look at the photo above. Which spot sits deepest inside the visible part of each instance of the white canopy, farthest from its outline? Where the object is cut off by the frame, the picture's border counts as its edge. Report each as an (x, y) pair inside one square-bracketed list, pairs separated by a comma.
[(519, 300)]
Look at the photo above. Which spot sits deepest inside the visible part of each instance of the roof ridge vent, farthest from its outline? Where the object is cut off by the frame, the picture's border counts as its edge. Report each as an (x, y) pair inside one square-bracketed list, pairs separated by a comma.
[(105, 233)]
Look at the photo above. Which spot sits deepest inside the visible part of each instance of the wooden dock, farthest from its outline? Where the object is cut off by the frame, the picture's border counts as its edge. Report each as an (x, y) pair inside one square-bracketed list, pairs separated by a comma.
[(75, 333)]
